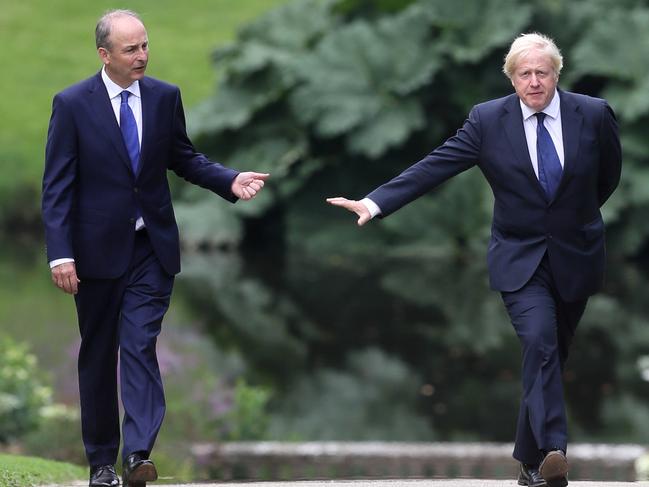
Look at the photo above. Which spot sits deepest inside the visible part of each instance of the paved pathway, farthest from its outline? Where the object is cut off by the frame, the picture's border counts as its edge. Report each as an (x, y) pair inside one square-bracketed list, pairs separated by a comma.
[(414, 483), (382, 483)]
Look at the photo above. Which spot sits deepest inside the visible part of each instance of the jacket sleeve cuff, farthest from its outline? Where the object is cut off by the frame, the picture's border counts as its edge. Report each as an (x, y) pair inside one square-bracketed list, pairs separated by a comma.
[(372, 207)]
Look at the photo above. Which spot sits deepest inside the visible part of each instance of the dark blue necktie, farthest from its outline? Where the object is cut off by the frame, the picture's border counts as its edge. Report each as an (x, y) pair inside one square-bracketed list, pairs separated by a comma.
[(548, 160), (129, 130)]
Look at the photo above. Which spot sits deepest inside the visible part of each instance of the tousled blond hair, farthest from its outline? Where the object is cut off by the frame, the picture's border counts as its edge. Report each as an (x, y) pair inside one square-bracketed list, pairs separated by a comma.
[(534, 41)]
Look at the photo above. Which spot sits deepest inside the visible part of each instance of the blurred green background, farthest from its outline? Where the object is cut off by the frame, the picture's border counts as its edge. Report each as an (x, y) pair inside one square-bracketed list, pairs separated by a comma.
[(288, 322), (50, 45)]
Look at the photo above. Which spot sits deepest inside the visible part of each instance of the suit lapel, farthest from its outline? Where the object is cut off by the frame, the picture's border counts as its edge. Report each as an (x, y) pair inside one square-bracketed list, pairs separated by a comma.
[(105, 117), (512, 120), (571, 124), (149, 102)]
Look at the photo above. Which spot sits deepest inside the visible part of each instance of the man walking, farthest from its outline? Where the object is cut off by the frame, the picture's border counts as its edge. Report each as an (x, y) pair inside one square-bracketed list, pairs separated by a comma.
[(552, 158), (112, 238)]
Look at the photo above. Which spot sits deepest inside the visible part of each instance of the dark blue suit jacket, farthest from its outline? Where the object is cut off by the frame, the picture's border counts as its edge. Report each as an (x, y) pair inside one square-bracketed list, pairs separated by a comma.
[(90, 192), (525, 224)]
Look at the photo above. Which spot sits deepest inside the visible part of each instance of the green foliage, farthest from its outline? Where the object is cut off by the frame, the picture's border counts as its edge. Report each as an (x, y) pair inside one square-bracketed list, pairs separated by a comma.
[(22, 391), (349, 403), (335, 98), (354, 85), (207, 398), (248, 418), (60, 425), (610, 50), (20, 471), (341, 99)]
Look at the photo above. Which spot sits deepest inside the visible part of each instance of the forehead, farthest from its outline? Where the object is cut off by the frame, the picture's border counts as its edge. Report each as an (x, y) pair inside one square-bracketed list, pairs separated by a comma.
[(534, 59), (127, 30)]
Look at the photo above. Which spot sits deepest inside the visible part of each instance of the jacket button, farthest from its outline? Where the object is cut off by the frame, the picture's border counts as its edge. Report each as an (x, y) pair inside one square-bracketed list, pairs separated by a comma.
[(131, 220), (135, 190)]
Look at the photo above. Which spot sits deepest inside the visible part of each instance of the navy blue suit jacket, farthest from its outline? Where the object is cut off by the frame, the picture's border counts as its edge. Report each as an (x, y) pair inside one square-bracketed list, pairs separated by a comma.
[(90, 192), (525, 224)]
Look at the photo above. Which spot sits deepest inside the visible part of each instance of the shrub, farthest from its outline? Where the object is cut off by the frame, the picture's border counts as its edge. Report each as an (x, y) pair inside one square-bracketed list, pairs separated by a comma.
[(22, 391)]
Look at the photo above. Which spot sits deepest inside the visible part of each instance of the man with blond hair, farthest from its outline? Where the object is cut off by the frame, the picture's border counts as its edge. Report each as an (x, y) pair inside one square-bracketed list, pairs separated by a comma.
[(112, 239), (552, 158)]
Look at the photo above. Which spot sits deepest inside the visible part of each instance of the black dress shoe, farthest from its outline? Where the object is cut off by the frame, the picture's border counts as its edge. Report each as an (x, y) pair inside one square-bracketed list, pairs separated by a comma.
[(554, 469), (138, 470), (103, 476), (529, 475)]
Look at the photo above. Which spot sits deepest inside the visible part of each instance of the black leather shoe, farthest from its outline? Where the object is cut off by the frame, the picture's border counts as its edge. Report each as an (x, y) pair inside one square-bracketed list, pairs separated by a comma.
[(103, 476), (138, 470), (554, 469), (529, 475)]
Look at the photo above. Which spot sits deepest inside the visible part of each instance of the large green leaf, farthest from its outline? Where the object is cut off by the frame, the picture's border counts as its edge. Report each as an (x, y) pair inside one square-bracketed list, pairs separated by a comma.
[(471, 28), (614, 47), (259, 67), (206, 223), (235, 103), (358, 79)]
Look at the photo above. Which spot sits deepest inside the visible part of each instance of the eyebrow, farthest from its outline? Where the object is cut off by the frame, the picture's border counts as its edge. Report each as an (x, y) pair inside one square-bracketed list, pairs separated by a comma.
[(130, 46)]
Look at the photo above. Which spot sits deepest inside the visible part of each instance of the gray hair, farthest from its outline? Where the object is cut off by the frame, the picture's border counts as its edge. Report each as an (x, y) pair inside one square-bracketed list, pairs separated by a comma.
[(102, 30), (525, 43)]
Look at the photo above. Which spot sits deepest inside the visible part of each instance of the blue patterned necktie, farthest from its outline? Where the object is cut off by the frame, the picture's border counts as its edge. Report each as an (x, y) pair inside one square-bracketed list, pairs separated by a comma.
[(548, 160), (129, 130)]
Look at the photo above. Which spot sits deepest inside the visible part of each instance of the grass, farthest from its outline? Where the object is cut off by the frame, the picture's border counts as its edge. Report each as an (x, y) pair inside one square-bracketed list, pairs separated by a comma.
[(50, 45), (19, 471)]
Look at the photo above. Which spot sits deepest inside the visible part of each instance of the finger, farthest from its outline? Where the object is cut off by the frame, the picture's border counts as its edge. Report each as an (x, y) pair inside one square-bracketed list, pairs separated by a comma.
[(260, 175), (254, 186), (344, 202), (364, 218), (66, 285)]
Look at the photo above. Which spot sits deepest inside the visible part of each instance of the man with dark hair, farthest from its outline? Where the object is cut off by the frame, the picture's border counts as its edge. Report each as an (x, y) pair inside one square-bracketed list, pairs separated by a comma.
[(552, 158), (112, 238)]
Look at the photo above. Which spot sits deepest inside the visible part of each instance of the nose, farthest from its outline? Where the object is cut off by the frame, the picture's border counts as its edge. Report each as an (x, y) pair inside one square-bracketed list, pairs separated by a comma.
[(534, 81)]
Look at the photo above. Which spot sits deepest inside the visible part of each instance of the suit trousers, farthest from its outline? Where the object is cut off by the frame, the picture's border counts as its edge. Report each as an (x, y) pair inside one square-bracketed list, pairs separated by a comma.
[(122, 317), (545, 325)]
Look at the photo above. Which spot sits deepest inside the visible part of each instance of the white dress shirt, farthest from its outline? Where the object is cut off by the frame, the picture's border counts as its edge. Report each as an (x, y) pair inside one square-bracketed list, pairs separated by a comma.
[(552, 124), (135, 102)]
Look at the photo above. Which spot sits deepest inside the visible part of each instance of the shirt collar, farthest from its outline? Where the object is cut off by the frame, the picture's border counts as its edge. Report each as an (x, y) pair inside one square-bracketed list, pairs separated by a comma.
[(114, 89), (552, 110)]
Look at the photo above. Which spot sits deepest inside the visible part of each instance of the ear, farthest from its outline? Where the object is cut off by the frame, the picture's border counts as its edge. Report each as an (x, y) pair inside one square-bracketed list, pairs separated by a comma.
[(104, 55)]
